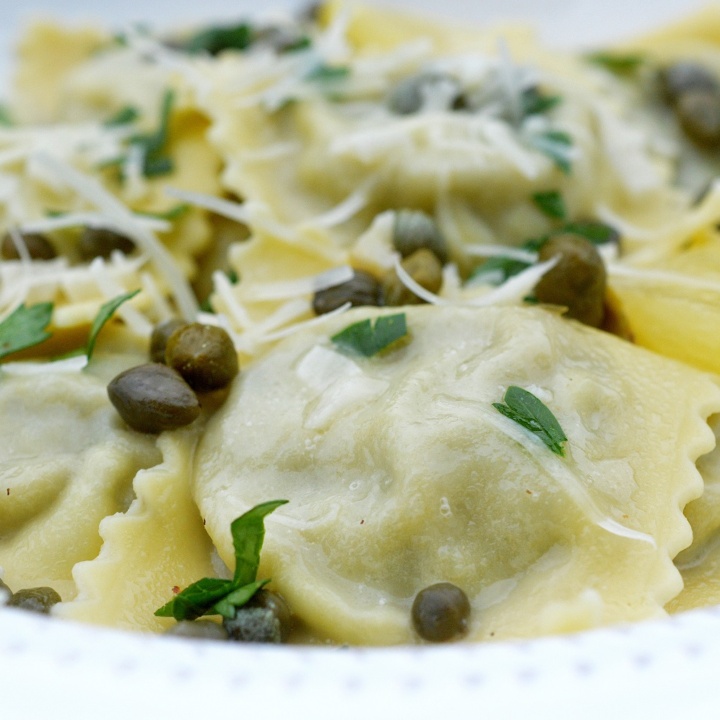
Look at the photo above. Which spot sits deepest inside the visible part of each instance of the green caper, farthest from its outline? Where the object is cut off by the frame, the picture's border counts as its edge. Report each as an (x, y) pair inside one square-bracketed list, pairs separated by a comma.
[(160, 335), (682, 77), (101, 242), (37, 245), (198, 630), (441, 612), (413, 230), (423, 267), (153, 397), (5, 593), (577, 281), (698, 112), (204, 355), (265, 618), (362, 289), (411, 95), (38, 599)]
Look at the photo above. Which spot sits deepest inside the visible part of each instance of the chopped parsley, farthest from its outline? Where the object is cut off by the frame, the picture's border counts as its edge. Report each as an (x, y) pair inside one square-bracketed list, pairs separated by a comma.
[(557, 145), (6, 119), (124, 116), (368, 338), (535, 102), (323, 72), (173, 213), (551, 203), (216, 596), (104, 314), (214, 40), (496, 270), (25, 327), (596, 232), (531, 413), (152, 145), (618, 63)]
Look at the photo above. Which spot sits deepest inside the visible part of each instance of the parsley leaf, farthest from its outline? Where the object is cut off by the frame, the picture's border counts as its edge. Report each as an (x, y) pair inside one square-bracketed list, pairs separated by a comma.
[(215, 596), (496, 270), (551, 203), (525, 409), (173, 213), (153, 144), (557, 145), (25, 327), (6, 119), (323, 72), (596, 232), (534, 102), (124, 116), (620, 64), (214, 40), (104, 314), (367, 338)]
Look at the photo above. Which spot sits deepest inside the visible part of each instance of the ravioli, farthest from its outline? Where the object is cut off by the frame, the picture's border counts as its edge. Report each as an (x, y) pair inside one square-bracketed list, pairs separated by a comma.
[(68, 461), (400, 473)]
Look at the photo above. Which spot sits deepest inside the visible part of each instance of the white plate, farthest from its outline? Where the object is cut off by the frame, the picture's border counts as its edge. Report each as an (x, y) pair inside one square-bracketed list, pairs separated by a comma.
[(655, 669)]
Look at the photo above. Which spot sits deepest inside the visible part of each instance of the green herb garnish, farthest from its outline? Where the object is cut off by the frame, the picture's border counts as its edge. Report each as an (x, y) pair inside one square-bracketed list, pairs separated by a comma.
[(25, 327), (557, 145), (214, 40), (596, 232), (369, 338), (6, 119), (551, 203), (324, 72), (618, 63), (302, 43), (525, 409), (104, 314), (534, 102), (215, 596), (152, 145), (155, 162), (124, 116), (173, 213), (496, 270)]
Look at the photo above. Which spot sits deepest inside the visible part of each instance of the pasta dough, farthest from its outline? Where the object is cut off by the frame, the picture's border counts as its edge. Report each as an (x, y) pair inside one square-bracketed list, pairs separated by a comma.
[(71, 464), (401, 474)]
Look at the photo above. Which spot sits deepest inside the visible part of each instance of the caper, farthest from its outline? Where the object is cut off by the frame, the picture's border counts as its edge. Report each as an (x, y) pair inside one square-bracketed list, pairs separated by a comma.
[(423, 267), (265, 618), (153, 397), (204, 355), (682, 77), (160, 335), (5, 593), (578, 279), (414, 229), (37, 245), (362, 289), (198, 630), (414, 93), (698, 112), (38, 599), (440, 612), (101, 242)]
